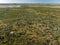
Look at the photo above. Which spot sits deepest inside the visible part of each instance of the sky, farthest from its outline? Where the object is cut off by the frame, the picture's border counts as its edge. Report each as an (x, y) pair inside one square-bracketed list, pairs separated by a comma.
[(29, 1)]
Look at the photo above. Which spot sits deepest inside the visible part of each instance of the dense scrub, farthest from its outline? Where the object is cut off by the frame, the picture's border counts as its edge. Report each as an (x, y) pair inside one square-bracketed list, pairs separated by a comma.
[(29, 26)]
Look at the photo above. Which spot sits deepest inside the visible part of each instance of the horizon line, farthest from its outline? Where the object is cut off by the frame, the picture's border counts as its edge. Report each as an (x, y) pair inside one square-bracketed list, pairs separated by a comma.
[(30, 3)]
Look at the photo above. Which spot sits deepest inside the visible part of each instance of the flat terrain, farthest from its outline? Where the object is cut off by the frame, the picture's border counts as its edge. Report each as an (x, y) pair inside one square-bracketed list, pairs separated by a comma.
[(30, 25), (9, 6)]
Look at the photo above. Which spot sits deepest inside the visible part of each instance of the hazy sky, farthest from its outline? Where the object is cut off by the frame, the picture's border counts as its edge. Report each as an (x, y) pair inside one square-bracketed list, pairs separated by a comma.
[(29, 1)]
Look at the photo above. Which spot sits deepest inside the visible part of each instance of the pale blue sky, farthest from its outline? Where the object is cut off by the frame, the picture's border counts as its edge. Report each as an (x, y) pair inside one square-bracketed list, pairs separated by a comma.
[(29, 1)]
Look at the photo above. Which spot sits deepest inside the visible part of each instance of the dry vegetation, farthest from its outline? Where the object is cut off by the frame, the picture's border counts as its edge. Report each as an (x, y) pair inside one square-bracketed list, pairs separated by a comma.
[(30, 26)]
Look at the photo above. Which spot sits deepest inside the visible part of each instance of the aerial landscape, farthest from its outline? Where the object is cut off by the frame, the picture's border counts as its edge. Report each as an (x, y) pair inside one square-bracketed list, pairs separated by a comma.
[(29, 23)]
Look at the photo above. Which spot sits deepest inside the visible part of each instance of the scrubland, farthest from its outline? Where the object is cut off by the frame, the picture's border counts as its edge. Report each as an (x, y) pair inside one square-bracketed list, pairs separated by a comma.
[(27, 25)]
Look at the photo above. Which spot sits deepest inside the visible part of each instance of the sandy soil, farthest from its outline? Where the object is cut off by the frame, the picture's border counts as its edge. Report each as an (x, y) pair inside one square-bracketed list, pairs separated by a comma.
[(55, 6), (9, 6), (47, 6)]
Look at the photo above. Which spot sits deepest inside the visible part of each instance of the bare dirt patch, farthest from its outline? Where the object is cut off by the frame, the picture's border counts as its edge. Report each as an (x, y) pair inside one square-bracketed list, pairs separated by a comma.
[(9, 6)]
